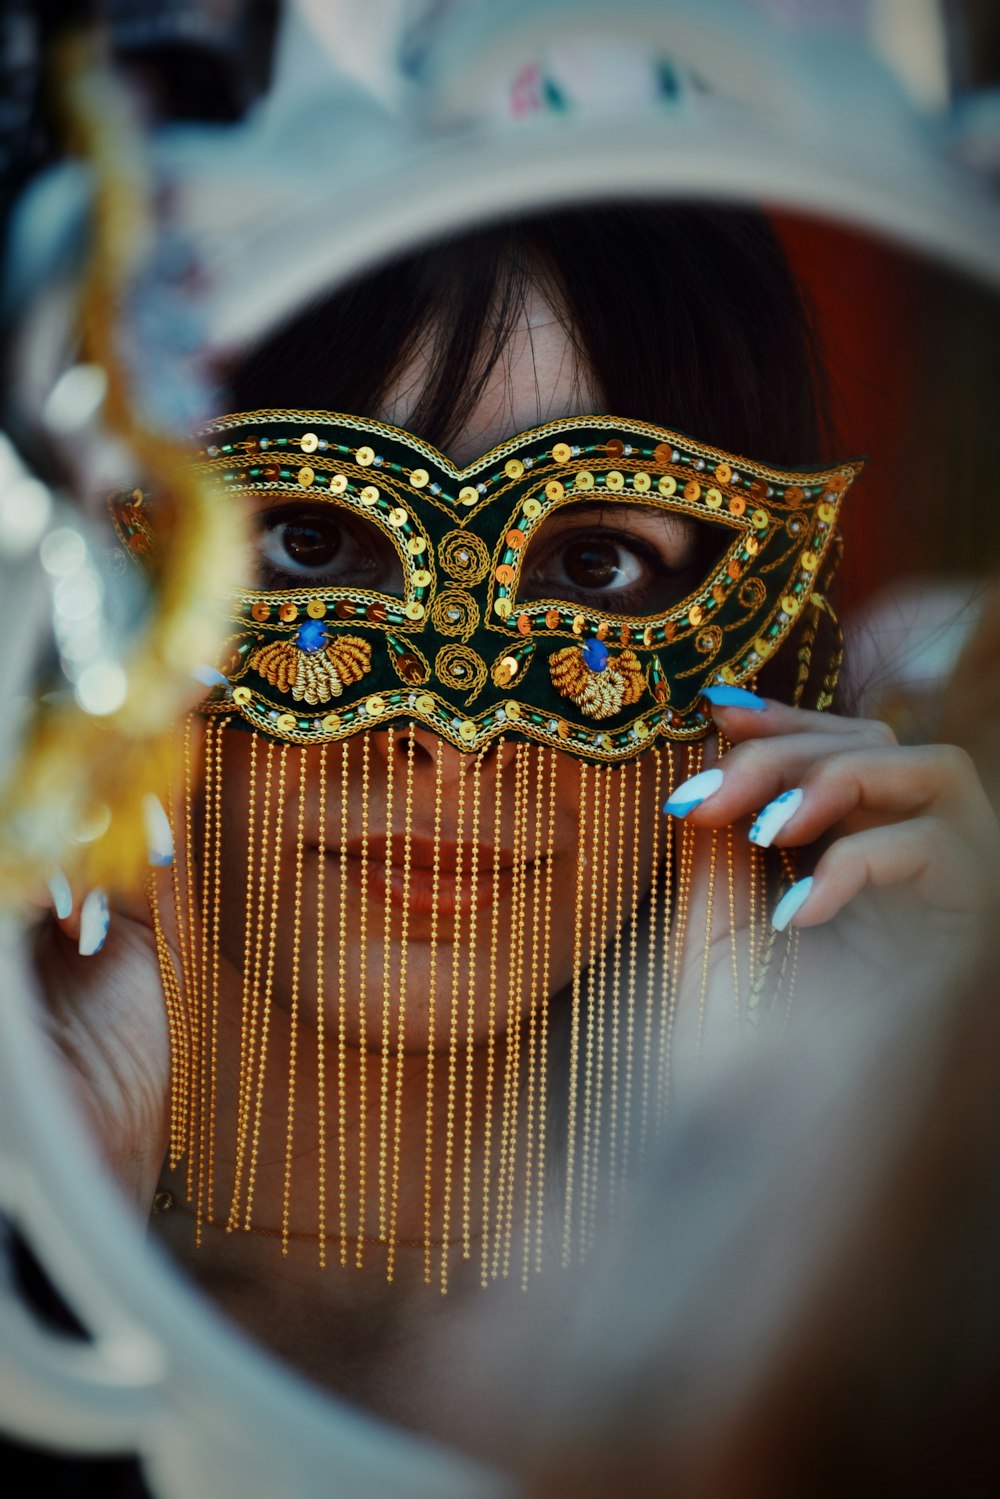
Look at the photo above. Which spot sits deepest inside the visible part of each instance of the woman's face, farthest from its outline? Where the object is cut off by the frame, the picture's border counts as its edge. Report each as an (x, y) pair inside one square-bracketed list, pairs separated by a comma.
[(358, 902)]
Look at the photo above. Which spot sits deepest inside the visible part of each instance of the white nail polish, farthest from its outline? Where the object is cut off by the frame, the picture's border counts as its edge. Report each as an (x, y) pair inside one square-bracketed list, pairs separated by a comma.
[(772, 819), (61, 893), (691, 793), (159, 836), (94, 922), (791, 903)]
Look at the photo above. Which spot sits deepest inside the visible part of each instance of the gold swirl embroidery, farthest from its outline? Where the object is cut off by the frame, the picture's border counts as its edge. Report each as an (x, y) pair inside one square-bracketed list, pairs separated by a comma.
[(463, 556), (455, 612), (461, 669)]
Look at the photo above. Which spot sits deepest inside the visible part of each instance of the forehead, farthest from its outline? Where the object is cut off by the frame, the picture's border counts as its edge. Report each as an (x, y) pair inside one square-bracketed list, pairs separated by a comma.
[(537, 378)]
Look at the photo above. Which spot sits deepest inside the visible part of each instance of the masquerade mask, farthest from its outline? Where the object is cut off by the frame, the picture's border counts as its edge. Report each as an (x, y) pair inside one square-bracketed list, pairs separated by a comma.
[(468, 600), (550, 600)]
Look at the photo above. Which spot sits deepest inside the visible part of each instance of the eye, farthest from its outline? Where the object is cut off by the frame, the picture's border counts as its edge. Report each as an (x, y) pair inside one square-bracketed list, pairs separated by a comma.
[(321, 547), (631, 559)]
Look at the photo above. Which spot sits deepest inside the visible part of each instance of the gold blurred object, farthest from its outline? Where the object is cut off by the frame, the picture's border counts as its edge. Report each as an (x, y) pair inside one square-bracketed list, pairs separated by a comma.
[(75, 794)]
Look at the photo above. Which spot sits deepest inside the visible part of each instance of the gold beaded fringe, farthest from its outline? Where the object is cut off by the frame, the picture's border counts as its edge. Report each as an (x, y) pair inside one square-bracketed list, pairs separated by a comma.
[(307, 1008)]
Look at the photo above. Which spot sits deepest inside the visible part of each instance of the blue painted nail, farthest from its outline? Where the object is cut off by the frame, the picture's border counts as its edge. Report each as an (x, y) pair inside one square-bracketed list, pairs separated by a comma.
[(208, 676), (691, 793), (94, 923), (724, 696), (791, 903), (773, 817), (61, 893), (159, 837)]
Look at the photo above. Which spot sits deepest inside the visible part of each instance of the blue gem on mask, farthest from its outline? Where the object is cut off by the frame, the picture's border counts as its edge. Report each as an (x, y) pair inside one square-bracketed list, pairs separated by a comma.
[(595, 654), (311, 637)]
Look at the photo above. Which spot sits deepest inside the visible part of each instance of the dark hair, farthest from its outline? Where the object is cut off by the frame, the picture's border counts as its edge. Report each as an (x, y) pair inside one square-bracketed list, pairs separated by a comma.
[(684, 315)]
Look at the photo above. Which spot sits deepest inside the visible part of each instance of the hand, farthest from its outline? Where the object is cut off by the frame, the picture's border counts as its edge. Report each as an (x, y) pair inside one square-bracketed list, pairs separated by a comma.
[(105, 1019), (910, 847)]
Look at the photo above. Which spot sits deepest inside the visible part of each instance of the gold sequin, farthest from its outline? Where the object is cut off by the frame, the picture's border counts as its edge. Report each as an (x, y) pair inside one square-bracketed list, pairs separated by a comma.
[(468, 495), (309, 442), (316, 608), (614, 481), (789, 603), (414, 610), (554, 489), (513, 710), (337, 484), (751, 546), (761, 646), (562, 452), (416, 545), (424, 703), (667, 484), (242, 696), (584, 480), (419, 478), (369, 495), (375, 705), (696, 614), (826, 512), (641, 482), (365, 456), (398, 517), (467, 730), (759, 519), (332, 722), (532, 508), (285, 723), (503, 608), (737, 505), (513, 468), (579, 624), (288, 612), (421, 578), (809, 561), (723, 472), (692, 490), (306, 476), (713, 498), (505, 671)]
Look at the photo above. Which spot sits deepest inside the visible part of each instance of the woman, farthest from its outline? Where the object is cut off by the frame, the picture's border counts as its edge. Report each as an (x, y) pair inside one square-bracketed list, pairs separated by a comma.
[(398, 1106)]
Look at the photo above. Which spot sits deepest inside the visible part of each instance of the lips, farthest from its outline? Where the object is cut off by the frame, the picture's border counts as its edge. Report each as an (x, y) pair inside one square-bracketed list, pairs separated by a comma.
[(387, 876)]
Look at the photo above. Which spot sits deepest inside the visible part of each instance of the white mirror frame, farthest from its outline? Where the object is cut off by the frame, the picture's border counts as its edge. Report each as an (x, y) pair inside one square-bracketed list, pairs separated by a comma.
[(165, 1377)]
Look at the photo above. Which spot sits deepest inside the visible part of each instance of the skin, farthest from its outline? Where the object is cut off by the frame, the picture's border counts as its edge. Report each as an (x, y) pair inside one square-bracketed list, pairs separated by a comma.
[(907, 848)]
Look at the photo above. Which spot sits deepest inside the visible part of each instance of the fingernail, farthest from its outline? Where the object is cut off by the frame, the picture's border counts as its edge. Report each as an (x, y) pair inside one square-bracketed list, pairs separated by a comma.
[(210, 676), (773, 817), (791, 903), (94, 922), (62, 895), (691, 793), (724, 696), (159, 837)]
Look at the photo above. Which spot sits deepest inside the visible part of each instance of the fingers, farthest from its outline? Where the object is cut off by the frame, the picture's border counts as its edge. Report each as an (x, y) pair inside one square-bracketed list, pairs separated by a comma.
[(84, 916), (924, 853)]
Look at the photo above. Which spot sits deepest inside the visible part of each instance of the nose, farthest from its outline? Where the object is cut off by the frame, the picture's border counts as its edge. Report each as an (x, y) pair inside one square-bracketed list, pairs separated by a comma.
[(430, 750)]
